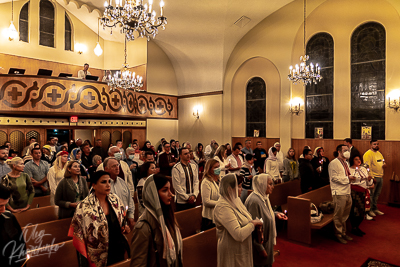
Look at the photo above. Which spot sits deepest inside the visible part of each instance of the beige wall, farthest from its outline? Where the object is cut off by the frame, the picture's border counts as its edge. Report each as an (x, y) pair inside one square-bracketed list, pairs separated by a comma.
[(81, 34), (161, 76), (279, 39), (207, 127), (157, 129), (263, 68), (114, 53)]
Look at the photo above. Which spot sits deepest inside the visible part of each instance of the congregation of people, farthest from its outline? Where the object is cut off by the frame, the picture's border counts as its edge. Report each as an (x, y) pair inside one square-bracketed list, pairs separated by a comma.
[(97, 187)]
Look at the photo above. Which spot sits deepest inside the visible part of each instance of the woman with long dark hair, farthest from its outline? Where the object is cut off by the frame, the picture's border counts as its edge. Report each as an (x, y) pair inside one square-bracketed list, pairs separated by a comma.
[(146, 170), (98, 225), (320, 165), (199, 156), (156, 237)]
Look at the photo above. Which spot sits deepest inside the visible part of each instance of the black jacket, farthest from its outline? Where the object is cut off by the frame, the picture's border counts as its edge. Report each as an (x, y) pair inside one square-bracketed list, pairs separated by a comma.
[(307, 177), (11, 233)]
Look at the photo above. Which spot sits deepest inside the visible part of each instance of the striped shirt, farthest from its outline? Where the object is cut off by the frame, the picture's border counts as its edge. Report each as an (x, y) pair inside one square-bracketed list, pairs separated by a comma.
[(245, 172)]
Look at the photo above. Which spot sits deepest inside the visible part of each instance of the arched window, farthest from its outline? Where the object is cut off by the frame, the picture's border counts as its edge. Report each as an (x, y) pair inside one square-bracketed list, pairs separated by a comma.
[(68, 33), (319, 97), (23, 23), (46, 37), (368, 56), (255, 107)]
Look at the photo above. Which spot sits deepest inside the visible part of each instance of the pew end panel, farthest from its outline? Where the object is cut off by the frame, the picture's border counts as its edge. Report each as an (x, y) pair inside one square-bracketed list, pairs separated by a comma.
[(200, 249), (299, 220), (282, 191)]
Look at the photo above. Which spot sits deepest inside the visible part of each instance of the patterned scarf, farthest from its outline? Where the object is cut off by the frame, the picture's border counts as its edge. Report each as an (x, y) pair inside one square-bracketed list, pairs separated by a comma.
[(89, 228), (345, 166), (189, 177)]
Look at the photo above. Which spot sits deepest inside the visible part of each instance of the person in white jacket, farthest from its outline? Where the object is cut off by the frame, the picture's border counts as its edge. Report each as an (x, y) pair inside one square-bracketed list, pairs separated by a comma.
[(340, 179)]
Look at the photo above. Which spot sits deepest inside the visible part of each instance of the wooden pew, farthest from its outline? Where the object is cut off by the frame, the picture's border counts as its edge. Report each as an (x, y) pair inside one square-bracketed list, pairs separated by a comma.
[(200, 249), (125, 263), (35, 216), (47, 233), (62, 255), (299, 223), (189, 221), (39, 202), (281, 192)]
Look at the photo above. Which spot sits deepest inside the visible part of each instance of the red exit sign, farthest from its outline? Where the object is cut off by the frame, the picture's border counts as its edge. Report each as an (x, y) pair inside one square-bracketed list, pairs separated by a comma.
[(73, 119)]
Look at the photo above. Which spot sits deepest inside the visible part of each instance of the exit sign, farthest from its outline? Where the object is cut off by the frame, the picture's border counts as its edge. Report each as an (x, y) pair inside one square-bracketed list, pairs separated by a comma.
[(73, 119)]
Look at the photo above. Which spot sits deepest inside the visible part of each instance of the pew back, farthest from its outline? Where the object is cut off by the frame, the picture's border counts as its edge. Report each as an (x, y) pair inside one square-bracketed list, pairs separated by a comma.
[(39, 202), (35, 216), (60, 255), (283, 190), (47, 233), (200, 249), (189, 221)]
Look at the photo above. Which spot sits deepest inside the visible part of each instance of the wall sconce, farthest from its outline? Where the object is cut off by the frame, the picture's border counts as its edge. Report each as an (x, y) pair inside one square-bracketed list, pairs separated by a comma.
[(80, 48), (197, 110), (295, 105), (394, 99)]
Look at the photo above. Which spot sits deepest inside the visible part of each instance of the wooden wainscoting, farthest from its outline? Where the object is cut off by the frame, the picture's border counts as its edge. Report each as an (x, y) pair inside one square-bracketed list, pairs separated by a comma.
[(389, 149)]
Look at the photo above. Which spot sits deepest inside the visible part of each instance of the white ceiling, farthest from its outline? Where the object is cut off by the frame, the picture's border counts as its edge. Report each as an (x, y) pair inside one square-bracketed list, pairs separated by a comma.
[(199, 36)]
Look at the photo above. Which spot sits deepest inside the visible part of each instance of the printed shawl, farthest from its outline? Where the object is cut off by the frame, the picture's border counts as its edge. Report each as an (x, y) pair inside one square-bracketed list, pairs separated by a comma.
[(89, 228)]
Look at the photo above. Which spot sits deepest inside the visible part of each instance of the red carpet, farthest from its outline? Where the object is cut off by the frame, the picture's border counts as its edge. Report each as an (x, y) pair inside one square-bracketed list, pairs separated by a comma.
[(381, 242)]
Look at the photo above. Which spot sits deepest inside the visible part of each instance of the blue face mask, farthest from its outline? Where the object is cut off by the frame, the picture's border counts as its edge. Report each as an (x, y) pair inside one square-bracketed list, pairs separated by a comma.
[(217, 171), (118, 156)]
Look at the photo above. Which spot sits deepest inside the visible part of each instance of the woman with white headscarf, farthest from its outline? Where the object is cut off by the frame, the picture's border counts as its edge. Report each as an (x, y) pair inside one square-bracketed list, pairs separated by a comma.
[(234, 226), (279, 155), (259, 207), (156, 237), (271, 165)]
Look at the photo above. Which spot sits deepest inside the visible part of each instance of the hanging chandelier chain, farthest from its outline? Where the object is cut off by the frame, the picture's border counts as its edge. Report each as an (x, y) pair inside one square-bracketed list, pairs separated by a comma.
[(304, 25), (98, 30), (125, 50), (12, 10)]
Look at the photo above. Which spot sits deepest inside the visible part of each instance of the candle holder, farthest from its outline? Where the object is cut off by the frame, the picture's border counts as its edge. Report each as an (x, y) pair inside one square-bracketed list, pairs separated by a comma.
[(394, 104), (295, 109)]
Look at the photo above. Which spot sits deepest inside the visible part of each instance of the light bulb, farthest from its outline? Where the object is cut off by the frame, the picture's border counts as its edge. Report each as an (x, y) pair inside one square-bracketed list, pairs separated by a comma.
[(97, 50), (12, 32), (105, 4)]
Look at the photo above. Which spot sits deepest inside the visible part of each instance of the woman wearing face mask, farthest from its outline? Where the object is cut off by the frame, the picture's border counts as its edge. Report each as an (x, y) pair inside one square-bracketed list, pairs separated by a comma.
[(146, 170), (70, 191), (56, 173), (19, 185), (320, 165), (247, 172), (10, 233), (271, 165), (221, 157), (156, 237), (76, 154), (259, 207), (98, 226), (234, 226), (209, 192)]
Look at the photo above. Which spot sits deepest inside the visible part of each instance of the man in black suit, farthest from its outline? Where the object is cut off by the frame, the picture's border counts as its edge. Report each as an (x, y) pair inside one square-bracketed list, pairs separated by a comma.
[(353, 150)]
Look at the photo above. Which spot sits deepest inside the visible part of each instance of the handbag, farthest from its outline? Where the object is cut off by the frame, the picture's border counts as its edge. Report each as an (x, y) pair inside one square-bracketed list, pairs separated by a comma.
[(327, 207), (316, 216)]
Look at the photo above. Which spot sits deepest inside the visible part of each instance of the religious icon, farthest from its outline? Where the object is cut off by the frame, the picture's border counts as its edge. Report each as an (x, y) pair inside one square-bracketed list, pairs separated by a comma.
[(256, 133), (319, 133), (366, 132)]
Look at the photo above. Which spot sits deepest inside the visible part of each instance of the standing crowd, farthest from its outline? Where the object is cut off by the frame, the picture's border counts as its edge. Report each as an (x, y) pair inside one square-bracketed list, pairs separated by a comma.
[(97, 187)]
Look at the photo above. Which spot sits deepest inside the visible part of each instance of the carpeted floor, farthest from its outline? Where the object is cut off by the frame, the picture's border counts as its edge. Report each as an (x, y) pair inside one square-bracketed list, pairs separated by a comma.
[(382, 242)]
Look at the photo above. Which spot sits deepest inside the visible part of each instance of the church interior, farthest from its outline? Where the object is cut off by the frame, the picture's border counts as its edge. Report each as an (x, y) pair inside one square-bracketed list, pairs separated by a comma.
[(214, 70)]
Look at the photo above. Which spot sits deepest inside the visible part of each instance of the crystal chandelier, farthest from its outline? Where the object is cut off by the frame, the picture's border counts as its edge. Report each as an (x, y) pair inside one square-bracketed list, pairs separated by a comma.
[(12, 31), (125, 79), (304, 73), (133, 17)]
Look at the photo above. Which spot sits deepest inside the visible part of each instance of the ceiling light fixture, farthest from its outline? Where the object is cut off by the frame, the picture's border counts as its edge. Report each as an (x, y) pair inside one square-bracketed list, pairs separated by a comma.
[(304, 73), (134, 18), (12, 31), (125, 79), (97, 50)]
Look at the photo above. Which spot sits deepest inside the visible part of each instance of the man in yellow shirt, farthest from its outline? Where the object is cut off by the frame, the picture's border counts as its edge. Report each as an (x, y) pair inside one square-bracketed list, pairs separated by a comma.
[(376, 164)]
